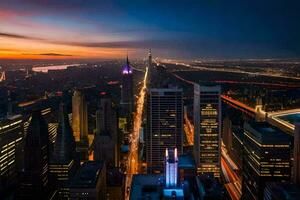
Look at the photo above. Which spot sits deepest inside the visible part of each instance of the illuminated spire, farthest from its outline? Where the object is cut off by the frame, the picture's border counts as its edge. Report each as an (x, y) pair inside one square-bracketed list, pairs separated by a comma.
[(171, 168), (127, 68)]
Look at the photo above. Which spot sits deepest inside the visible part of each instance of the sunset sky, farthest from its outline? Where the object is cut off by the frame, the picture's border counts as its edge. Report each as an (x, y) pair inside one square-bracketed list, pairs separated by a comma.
[(173, 29)]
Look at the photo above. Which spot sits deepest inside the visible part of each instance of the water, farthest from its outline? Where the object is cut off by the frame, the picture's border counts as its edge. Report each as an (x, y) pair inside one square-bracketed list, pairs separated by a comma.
[(292, 118), (45, 69)]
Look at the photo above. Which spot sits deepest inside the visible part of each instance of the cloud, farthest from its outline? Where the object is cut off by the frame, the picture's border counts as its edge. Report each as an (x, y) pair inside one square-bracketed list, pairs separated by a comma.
[(49, 54), (17, 36)]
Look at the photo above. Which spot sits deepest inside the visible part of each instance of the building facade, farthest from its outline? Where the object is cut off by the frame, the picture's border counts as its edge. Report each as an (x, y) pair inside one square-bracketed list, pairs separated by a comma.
[(79, 116), (106, 142), (266, 158), (207, 122), (64, 160), (164, 125), (80, 123), (11, 134), (35, 173)]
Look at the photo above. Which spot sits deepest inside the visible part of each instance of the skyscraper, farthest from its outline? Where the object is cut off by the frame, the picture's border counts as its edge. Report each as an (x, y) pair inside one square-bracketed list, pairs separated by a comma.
[(63, 162), (79, 116), (34, 177), (149, 59), (80, 123), (266, 158), (127, 97), (207, 122), (164, 125), (296, 166), (149, 65), (11, 134), (106, 142)]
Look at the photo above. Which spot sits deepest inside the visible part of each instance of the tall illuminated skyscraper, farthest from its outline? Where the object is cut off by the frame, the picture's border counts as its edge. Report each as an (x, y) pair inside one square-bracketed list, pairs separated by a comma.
[(11, 134), (127, 97), (267, 158), (34, 177), (63, 162), (207, 122), (164, 125), (79, 116)]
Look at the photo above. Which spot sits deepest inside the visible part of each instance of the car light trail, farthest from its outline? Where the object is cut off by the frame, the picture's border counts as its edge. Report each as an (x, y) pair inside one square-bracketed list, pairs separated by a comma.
[(132, 162)]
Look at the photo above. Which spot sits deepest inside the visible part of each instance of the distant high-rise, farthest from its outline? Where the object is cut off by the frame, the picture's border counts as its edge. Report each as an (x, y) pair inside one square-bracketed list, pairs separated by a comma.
[(296, 166), (127, 97), (149, 65), (207, 122), (80, 123), (106, 142), (266, 158), (79, 116), (34, 177), (63, 162), (164, 125), (11, 134)]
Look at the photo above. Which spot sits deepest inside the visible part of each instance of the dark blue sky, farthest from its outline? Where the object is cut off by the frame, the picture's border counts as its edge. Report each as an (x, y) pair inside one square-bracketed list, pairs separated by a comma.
[(182, 29)]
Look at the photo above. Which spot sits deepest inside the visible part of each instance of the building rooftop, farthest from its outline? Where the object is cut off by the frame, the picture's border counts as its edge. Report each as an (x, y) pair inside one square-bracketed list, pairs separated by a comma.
[(267, 134), (87, 175), (146, 185), (186, 161)]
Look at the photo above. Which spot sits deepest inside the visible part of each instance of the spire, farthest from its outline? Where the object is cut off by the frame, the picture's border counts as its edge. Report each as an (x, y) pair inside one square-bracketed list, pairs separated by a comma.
[(127, 68), (64, 146), (127, 60), (149, 59)]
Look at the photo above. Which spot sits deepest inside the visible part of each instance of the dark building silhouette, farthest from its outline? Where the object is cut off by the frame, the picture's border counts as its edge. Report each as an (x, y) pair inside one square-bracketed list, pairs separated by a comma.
[(106, 142), (64, 161), (89, 182), (127, 97), (34, 175)]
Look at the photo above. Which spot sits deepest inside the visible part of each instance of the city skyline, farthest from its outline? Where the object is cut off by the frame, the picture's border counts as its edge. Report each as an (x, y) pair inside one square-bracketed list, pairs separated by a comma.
[(140, 99), (107, 29)]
